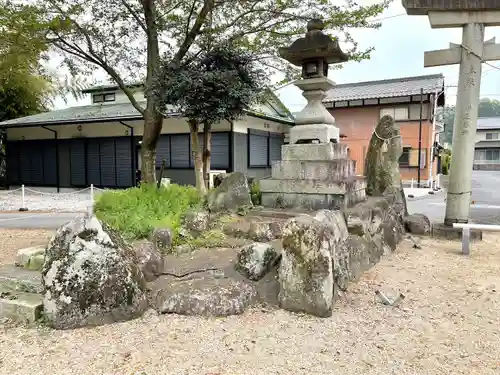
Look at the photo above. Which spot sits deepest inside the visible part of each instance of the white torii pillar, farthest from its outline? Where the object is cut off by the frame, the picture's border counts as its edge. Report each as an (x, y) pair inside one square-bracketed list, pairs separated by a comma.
[(470, 55)]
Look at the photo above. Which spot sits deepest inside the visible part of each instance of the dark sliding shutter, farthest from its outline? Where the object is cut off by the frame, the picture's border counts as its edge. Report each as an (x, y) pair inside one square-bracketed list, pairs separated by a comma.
[(77, 159), (49, 150), (93, 164), (180, 151), (258, 148), (123, 162), (108, 171), (220, 157), (163, 151), (275, 143), (13, 163)]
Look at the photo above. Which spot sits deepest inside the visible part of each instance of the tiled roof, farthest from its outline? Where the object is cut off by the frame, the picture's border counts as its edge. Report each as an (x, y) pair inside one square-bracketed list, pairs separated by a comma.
[(109, 112), (484, 123), (388, 88), (87, 113)]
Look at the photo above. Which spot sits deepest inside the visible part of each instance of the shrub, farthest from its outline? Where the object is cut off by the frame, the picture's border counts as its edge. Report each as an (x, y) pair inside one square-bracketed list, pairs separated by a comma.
[(137, 211), (255, 193)]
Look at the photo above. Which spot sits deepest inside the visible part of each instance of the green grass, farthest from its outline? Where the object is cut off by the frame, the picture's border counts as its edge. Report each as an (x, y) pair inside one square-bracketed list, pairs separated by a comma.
[(135, 212)]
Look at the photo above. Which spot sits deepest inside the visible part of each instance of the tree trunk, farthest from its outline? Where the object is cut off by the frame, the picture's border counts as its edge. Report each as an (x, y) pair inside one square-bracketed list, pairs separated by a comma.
[(197, 157), (153, 120), (152, 128), (207, 144)]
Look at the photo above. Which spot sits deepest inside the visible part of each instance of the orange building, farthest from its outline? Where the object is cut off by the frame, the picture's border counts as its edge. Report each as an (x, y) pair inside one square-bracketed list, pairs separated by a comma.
[(357, 107)]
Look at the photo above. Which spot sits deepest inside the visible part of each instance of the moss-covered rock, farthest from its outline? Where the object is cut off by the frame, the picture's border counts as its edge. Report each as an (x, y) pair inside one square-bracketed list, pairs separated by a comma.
[(90, 277), (230, 195), (382, 158)]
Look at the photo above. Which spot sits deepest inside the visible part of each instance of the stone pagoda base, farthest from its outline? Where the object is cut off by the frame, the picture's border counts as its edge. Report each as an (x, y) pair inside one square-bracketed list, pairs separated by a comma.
[(313, 177)]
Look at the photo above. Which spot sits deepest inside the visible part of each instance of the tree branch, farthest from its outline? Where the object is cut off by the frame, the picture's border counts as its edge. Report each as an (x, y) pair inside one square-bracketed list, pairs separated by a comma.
[(135, 15), (195, 30)]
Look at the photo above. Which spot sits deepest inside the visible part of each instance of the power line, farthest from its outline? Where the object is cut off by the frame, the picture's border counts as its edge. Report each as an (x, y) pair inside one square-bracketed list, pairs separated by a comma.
[(388, 17)]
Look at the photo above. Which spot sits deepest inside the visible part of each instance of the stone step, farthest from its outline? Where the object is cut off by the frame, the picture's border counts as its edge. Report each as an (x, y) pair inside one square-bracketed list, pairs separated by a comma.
[(20, 306), (333, 170), (20, 279), (342, 187), (318, 152), (312, 202)]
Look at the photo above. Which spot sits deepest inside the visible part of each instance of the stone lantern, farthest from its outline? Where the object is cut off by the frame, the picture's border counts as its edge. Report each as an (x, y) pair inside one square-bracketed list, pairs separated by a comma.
[(314, 52)]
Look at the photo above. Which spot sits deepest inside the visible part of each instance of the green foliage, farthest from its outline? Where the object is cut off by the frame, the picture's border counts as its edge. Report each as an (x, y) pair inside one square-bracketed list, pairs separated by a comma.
[(218, 85), (487, 108), (135, 212), (255, 193), (445, 162)]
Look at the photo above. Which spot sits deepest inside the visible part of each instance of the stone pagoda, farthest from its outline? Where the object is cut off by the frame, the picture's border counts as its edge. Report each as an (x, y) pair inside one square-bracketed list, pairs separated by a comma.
[(315, 171)]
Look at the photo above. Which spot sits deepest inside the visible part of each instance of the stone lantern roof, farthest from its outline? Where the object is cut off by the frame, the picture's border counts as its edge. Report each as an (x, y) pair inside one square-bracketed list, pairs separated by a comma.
[(314, 46)]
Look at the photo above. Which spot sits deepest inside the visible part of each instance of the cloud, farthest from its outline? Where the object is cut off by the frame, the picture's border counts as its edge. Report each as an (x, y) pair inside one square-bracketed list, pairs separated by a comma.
[(399, 52)]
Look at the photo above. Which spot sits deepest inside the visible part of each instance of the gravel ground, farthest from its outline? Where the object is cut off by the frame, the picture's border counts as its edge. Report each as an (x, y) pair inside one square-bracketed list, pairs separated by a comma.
[(11, 240), (42, 201), (448, 324)]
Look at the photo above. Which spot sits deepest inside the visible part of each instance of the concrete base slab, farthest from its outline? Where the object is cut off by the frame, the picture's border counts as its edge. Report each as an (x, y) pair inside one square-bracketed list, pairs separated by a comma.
[(20, 307), (324, 133), (20, 279), (314, 151), (272, 185), (455, 234), (313, 170), (311, 202)]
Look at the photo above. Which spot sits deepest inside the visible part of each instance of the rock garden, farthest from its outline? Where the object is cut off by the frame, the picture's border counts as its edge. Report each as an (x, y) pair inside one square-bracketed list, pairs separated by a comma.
[(216, 258)]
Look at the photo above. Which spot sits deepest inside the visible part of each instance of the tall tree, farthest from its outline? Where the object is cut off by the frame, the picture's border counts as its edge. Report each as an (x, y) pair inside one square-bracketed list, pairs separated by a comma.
[(219, 85), (487, 108), (126, 38)]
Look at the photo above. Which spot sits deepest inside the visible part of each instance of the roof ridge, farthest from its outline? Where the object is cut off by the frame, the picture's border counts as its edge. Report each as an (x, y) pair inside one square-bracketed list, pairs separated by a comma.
[(390, 80)]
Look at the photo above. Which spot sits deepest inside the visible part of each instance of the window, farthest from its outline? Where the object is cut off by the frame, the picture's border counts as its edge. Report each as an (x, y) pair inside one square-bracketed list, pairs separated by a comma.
[(409, 158), (263, 148), (100, 98), (490, 136), (109, 97), (404, 160), (176, 150), (397, 113)]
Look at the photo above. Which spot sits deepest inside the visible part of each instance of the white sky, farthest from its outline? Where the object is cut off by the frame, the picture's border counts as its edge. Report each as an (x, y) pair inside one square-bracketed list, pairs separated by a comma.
[(399, 52)]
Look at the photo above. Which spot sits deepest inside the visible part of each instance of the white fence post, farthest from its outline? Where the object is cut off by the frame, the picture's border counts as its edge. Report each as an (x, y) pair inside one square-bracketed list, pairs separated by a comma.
[(23, 207), (412, 183), (91, 207)]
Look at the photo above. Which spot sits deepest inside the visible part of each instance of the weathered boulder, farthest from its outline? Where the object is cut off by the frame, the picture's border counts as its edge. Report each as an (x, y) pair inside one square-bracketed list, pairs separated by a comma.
[(351, 259), (382, 158), (204, 297), (162, 239), (31, 258), (255, 260), (150, 260), (265, 230), (306, 268), (336, 222), (90, 277), (417, 224), (196, 222), (230, 195)]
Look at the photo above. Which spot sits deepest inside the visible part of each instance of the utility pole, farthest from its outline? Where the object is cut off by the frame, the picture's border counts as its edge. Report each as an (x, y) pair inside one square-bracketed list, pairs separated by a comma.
[(420, 135), (472, 17)]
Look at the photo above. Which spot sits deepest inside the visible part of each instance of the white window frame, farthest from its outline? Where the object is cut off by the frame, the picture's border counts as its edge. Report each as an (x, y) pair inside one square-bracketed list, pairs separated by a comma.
[(397, 113), (494, 136)]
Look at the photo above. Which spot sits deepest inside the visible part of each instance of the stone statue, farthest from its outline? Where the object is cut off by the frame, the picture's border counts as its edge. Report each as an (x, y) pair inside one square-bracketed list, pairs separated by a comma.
[(382, 158)]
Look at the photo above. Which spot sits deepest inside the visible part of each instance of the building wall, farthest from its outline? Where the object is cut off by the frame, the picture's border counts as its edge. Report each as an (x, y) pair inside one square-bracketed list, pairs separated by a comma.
[(358, 123), (74, 140), (260, 128)]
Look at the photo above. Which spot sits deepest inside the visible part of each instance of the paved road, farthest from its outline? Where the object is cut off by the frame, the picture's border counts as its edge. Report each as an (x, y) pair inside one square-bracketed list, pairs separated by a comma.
[(33, 220), (485, 193)]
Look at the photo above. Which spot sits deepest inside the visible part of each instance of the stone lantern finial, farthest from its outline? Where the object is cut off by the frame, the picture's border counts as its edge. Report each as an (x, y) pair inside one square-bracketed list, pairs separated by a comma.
[(313, 53)]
